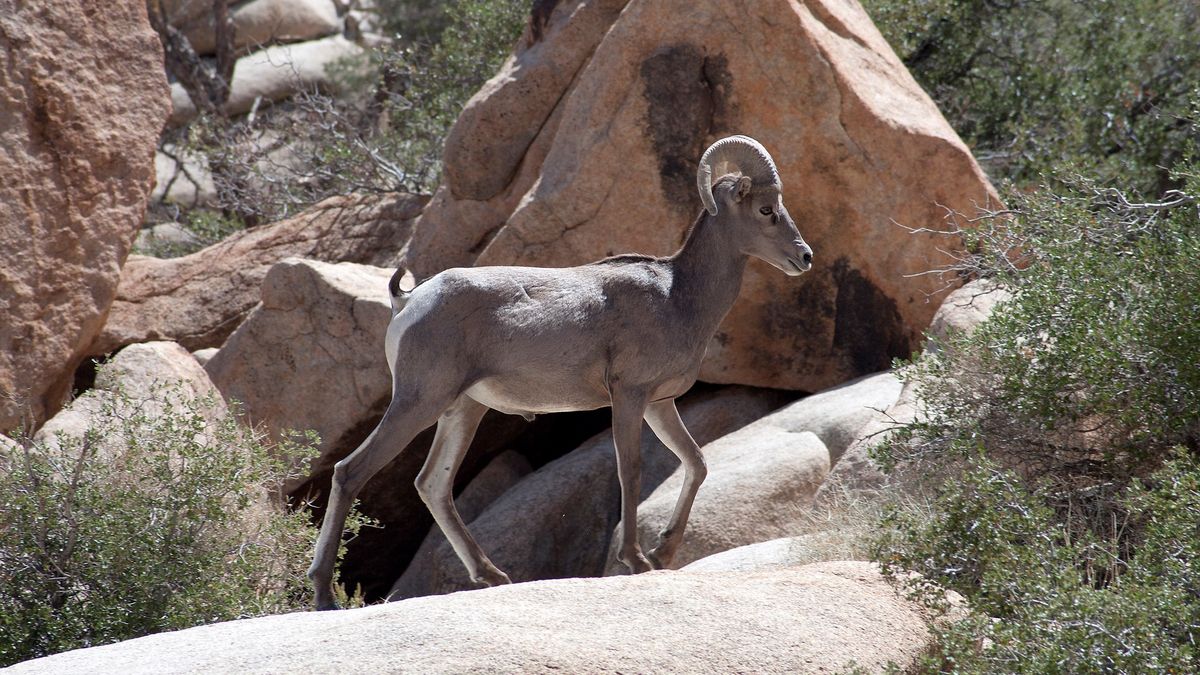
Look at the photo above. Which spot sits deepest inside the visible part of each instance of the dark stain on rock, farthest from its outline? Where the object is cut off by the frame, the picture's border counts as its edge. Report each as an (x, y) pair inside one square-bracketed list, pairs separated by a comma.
[(797, 324), (686, 92), (720, 83), (868, 330)]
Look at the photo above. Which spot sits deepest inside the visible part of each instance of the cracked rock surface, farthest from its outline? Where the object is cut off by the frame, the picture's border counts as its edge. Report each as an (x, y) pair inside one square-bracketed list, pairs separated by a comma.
[(311, 355), (83, 98), (199, 299)]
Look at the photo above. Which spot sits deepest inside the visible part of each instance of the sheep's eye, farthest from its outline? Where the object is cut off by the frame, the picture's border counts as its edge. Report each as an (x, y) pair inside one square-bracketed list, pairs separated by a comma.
[(766, 210)]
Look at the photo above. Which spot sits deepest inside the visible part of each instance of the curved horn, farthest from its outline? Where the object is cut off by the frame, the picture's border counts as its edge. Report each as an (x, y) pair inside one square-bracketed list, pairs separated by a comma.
[(746, 155)]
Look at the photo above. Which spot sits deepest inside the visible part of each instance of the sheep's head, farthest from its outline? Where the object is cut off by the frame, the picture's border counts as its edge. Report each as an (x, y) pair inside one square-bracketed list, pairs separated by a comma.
[(751, 200)]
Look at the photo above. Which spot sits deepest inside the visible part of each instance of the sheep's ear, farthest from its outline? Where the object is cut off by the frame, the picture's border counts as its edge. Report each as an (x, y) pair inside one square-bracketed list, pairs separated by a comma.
[(742, 188)]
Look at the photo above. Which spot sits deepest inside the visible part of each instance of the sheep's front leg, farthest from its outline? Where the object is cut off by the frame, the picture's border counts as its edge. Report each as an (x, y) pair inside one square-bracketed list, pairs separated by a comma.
[(664, 420), (628, 409)]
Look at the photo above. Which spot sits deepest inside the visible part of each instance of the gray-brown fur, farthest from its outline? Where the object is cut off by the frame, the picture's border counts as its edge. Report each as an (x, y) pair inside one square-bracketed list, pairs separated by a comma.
[(628, 332)]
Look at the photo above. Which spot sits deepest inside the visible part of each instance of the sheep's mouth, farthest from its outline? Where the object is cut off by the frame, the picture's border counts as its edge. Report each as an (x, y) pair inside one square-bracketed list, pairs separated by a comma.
[(796, 266)]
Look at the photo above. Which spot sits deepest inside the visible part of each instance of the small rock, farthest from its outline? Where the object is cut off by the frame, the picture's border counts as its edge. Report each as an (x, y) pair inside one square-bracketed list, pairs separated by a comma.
[(182, 178), (963, 310), (144, 378), (205, 355), (165, 237), (260, 22), (273, 74)]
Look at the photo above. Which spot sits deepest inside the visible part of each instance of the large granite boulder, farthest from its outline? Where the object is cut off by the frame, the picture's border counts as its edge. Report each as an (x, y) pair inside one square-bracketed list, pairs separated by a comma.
[(310, 356), (261, 22), (83, 99), (823, 618), (586, 145), (199, 299)]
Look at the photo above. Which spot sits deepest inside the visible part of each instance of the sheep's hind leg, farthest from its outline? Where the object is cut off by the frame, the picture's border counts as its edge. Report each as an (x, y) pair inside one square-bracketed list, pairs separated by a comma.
[(400, 424), (435, 484), (628, 409), (664, 420)]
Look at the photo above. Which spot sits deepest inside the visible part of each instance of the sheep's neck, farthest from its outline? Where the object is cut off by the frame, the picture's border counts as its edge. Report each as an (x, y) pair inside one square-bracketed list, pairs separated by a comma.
[(708, 273)]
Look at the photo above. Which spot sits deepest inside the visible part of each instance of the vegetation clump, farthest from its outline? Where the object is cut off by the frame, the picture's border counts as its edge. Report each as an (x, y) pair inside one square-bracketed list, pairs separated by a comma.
[(1050, 87), (147, 522), (1061, 437)]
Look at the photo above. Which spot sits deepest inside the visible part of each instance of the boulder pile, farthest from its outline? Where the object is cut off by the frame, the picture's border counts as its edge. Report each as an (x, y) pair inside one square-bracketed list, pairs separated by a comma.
[(584, 145)]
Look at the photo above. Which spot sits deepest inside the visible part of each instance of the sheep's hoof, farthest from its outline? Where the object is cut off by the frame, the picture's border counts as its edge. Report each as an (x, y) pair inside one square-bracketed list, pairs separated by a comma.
[(491, 576), (637, 563), (662, 555)]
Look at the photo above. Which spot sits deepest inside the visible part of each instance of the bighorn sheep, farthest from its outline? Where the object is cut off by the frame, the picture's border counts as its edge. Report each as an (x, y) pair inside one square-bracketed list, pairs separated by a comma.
[(628, 332)]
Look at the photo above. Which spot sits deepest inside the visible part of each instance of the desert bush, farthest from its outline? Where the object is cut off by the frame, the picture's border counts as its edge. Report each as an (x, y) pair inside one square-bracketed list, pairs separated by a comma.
[(1035, 86), (1061, 439), (145, 523), (1089, 372), (1047, 599)]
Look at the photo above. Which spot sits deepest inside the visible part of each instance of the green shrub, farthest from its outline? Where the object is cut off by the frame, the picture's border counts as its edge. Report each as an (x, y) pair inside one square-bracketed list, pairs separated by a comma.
[(1061, 437), (1090, 370), (144, 524), (1037, 86), (1046, 600)]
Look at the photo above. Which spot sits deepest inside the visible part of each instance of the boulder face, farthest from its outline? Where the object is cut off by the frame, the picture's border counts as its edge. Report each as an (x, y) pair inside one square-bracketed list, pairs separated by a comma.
[(604, 162), (837, 415), (311, 355), (260, 22), (761, 482), (965, 309), (765, 555), (199, 299), (822, 618), (83, 97)]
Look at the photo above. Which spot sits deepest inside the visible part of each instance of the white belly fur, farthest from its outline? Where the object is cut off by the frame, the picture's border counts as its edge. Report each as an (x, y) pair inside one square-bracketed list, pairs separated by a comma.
[(495, 395)]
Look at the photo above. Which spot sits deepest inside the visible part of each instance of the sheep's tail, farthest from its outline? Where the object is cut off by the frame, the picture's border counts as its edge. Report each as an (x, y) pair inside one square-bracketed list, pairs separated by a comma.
[(401, 279)]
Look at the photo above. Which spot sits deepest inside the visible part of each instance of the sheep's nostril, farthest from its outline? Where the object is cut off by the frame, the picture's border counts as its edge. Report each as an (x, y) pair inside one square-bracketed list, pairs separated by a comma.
[(807, 257)]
